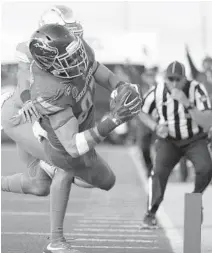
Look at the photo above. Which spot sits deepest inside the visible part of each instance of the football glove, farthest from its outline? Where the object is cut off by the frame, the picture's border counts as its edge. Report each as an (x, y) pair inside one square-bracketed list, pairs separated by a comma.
[(125, 102)]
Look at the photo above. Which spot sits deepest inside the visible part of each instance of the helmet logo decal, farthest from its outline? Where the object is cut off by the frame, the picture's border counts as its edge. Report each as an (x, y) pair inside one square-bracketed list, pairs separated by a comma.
[(45, 53)]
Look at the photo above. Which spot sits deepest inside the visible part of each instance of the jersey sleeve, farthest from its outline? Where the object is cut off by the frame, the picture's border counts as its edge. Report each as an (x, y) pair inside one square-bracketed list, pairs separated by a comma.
[(52, 102), (24, 59)]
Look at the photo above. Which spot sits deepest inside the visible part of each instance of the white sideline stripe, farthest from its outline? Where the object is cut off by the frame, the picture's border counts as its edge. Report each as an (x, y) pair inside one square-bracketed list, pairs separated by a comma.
[(99, 239), (115, 247), (36, 214), (106, 229), (175, 239), (45, 200), (95, 240), (97, 218), (107, 226), (109, 221), (81, 234)]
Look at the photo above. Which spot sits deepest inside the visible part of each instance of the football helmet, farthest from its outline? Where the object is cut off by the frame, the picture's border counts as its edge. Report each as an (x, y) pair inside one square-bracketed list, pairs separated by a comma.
[(57, 51), (62, 15)]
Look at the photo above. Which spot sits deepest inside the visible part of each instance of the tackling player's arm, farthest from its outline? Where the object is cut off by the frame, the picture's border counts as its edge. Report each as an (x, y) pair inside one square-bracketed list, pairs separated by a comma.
[(23, 74), (23, 78)]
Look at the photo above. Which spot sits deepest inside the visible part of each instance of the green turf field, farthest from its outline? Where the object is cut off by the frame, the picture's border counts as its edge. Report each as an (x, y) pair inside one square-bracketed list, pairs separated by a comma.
[(98, 221)]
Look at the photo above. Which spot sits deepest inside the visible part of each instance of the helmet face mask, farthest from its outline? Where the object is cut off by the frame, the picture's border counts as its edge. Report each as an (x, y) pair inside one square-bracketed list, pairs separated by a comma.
[(62, 15), (73, 63), (58, 52)]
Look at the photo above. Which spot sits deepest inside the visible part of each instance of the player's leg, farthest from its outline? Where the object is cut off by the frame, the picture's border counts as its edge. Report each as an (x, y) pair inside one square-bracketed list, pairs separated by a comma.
[(34, 181), (23, 135), (94, 170), (89, 168)]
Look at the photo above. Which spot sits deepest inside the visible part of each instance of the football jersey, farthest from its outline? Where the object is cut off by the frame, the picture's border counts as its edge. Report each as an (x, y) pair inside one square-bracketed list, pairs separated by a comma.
[(51, 94)]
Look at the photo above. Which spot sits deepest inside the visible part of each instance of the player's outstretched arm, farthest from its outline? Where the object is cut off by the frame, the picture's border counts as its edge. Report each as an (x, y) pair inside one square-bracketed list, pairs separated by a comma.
[(65, 125), (106, 78)]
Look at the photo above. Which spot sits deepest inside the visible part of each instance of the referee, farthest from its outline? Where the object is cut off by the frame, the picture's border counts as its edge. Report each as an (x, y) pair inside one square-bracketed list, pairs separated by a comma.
[(175, 101)]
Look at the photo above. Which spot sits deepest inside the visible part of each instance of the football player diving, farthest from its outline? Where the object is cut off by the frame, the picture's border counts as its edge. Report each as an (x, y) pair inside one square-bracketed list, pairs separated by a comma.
[(61, 85)]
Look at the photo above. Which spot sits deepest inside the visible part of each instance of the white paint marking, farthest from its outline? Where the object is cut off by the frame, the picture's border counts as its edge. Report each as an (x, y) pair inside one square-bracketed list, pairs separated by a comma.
[(105, 219), (149, 247), (36, 214), (115, 247), (171, 232), (82, 234), (107, 229), (84, 221), (107, 226)]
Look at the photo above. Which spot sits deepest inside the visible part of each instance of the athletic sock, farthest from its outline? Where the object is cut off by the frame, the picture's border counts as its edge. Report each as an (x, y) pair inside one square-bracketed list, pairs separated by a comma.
[(12, 183), (59, 196)]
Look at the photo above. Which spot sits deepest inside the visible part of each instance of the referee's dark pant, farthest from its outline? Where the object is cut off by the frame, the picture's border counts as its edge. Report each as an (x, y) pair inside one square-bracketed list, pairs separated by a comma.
[(168, 154)]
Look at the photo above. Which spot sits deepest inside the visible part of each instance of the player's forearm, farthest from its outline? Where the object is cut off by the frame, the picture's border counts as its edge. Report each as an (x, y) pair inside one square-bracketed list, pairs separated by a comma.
[(77, 144), (106, 78), (202, 118)]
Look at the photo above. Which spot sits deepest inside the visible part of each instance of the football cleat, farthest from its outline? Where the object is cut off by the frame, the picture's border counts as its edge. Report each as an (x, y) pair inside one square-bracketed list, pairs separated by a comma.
[(60, 247)]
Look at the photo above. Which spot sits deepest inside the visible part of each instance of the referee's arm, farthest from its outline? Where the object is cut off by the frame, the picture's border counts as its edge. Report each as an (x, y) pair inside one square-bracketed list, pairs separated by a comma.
[(147, 109), (202, 113)]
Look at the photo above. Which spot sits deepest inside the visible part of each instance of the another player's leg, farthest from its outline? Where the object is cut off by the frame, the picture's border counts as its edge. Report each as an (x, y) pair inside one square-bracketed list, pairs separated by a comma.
[(34, 181)]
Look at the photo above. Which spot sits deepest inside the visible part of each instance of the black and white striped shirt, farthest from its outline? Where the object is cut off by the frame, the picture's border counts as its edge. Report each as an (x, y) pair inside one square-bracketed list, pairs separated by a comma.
[(173, 113)]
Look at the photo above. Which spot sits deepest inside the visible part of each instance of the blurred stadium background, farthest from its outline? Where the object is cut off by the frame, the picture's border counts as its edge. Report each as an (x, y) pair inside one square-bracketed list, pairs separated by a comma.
[(132, 39)]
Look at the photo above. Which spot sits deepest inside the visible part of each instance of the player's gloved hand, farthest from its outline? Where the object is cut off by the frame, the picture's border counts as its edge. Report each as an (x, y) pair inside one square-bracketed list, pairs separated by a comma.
[(125, 103), (28, 111)]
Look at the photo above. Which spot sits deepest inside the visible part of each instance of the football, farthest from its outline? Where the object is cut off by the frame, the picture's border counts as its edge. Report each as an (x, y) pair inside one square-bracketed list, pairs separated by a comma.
[(119, 92)]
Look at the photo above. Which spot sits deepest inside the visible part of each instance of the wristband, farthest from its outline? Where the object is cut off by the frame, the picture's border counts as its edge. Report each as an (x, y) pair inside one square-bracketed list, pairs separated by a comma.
[(106, 126), (25, 96)]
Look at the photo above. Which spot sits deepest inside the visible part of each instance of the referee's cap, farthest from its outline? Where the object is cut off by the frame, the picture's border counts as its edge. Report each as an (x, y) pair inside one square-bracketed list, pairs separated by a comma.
[(176, 69)]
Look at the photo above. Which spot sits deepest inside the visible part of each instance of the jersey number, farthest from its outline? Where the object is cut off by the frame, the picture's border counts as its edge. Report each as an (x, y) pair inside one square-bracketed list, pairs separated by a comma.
[(86, 103)]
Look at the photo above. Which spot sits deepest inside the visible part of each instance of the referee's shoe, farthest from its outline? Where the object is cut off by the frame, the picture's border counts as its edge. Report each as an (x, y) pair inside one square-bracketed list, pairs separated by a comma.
[(149, 221)]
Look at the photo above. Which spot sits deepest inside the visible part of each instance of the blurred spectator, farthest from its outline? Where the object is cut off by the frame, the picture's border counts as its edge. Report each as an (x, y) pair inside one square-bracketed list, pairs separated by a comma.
[(204, 77)]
